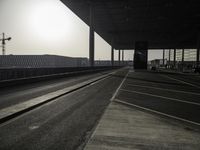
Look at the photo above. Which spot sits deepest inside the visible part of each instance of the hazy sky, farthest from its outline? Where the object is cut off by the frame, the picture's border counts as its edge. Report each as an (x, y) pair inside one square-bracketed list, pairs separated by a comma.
[(49, 27)]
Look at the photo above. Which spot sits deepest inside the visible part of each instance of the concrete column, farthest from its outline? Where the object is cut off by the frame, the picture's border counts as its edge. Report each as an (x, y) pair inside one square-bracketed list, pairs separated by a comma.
[(112, 56), (91, 37), (163, 57), (123, 57), (169, 58), (119, 56), (141, 55), (183, 56), (174, 58), (197, 61)]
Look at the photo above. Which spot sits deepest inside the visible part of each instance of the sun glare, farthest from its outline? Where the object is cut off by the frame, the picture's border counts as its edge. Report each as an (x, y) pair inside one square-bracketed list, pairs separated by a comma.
[(49, 20)]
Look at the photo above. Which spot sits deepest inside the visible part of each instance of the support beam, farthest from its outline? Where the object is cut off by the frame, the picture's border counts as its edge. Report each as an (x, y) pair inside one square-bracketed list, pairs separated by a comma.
[(163, 57), (123, 57), (197, 60), (140, 55), (119, 57), (112, 56), (91, 37), (183, 56), (174, 58), (169, 58)]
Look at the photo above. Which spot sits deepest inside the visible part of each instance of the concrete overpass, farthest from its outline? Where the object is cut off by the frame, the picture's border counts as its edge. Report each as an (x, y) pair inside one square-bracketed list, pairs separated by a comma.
[(141, 24), (105, 108)]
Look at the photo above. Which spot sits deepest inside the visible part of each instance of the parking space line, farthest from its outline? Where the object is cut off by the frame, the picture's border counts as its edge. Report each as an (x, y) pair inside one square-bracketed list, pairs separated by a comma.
[(157, 112), (163, 97), (194, 93), (181, 81), (114, 95), (143, 81)]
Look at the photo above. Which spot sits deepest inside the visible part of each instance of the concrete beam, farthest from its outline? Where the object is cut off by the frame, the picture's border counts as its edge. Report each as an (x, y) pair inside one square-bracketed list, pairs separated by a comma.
[(169, 57), (91, 36), (183, 56), (119, 57), (112, 56), (163, 57), (174, 58), (197, 60), (123, 57), (141, 55)]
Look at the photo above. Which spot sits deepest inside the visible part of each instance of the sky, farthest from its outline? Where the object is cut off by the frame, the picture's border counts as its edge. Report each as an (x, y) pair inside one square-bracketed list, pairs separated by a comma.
[(49, 27)]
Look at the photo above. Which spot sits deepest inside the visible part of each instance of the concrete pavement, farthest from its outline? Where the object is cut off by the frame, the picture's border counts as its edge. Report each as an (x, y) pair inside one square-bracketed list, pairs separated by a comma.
[(128, 128), (151, 111)]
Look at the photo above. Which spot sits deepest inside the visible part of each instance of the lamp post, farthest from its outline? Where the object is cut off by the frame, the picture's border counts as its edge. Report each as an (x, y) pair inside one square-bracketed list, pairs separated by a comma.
[(4, 43)]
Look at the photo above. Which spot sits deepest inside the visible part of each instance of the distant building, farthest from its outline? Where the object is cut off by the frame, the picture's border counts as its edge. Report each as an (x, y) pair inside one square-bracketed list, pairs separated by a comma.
[(41, 61), (157, 63)]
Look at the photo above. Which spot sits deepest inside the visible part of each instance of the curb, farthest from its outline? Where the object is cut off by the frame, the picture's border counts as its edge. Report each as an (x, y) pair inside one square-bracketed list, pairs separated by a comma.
[(18, 109)]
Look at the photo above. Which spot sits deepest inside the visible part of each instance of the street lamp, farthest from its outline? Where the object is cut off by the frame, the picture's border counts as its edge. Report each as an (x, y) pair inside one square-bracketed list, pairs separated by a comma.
[(4, 43)]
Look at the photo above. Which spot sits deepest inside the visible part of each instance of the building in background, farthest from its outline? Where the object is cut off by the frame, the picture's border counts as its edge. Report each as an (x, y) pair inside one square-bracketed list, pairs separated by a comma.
[(188, 62), (41, 61), (157, 63)]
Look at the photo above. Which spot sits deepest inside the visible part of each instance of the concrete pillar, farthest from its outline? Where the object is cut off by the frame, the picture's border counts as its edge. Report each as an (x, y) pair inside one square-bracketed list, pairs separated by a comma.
[(198, 48), (123, 57), (163, 57), (119, 57), (183, 56), (197, 60), (112, 56), (140, 55), (169, 58), (174, 58), (91, 36)]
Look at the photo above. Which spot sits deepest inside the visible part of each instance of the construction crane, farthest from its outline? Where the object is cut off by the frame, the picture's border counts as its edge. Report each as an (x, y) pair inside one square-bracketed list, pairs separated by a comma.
[(4, 43)]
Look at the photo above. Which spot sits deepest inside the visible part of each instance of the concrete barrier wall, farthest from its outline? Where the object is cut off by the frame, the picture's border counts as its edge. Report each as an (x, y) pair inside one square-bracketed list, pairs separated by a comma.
[(16, 73), (16, 76)]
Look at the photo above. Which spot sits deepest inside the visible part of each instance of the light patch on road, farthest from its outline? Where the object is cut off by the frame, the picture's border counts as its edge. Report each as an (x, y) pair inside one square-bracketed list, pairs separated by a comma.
[(33, 127)]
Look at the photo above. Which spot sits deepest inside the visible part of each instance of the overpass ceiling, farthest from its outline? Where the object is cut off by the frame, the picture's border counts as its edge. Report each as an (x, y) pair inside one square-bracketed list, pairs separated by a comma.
[(163, 23)]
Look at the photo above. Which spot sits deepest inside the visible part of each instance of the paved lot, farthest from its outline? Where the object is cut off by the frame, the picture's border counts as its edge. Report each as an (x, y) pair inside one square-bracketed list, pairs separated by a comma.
[(127, 128), (151, 111), (177, 96)]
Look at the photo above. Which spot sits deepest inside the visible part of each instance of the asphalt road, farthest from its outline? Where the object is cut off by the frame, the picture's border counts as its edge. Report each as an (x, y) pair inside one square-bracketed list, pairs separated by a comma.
[(16, 94), (62, 124), (173, 95)]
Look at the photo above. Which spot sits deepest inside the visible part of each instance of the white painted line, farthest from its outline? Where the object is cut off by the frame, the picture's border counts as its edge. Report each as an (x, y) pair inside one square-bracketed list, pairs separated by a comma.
[(181, 81), (114, 95), (163, 97), (151, 87), (157, 112)]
